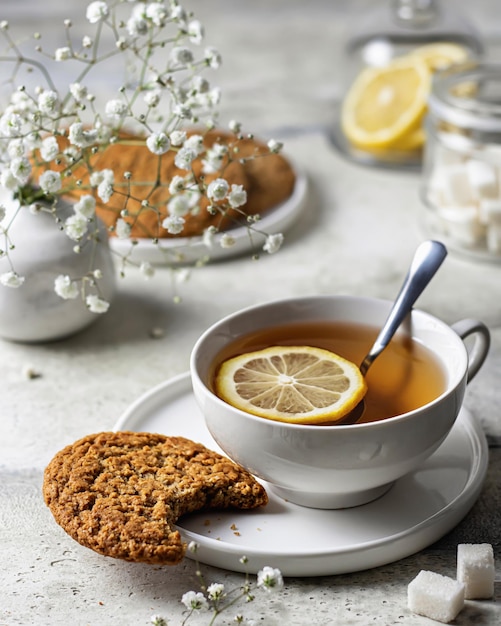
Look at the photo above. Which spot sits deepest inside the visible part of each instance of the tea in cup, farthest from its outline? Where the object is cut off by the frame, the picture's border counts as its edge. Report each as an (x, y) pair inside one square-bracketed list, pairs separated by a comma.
[(415, 392)]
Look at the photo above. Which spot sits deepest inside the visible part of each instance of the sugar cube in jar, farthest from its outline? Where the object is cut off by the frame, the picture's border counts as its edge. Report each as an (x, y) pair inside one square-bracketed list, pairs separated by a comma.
[(462, 163)]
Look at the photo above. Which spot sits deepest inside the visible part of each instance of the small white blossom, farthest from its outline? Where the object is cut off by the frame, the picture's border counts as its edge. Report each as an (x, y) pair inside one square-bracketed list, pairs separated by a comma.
[(273, 243), (8, 180), (227, 241), (78, 91), (184, 158), (209, 236), (87, 42), (80, 136), (235, 126), (182, 111), (11, 279), (49, 148), (137, 26), (194, 600), (178, 205), (275, 146), (270, 579), (95, 304), (21, 169), (75, 227), (50, 181), (177, 137), (195, 32), (196, 143), (48, 102), (158, 620), (152, 98), (157, 13), (97, 11), (176, 185), (181, 56), (116, 109), (122, 229), (158, 143), (173, 224), (105, 190), (212, 57), (16, 148), (65, 287), (99, 176), (215, 591), (86, 206), (62, 54), (237, 196), (147, 270), (218, 189)]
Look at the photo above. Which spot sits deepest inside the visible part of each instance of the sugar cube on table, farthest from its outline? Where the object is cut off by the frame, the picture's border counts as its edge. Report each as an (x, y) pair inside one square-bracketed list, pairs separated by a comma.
[(435, 596), (476, 570)]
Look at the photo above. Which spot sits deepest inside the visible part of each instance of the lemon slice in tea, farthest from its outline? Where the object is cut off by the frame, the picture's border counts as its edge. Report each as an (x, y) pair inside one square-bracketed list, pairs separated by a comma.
[(295, 384)]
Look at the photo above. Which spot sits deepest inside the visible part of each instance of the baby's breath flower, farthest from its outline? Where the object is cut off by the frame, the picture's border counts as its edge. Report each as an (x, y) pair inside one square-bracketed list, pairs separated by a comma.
[(227, 241), (270, 579), (65, 287), (176, 184), (116, 109), (237, 196), (11, 279), (152, 98), (80, 136), (218, 189), (21, 169), (194, 600), (215, 591), (86, 206), (273, 243), (177, 137), (212, 57), (275, 146), (97, 11), (95, 304), (87, 42), (75, 227), (196, 143), (157, 13), (181, 56), (195, 32), (49, 148), (158, 143), (184, 158), (78, 91), (122, 229), (174, 224), (50, 182), (48, 102), (178, 205), (158, 620), (62, 54)]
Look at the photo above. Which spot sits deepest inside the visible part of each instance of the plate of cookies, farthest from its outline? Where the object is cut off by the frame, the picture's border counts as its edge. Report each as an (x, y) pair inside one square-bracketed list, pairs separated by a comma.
[(417, 511), (275, 194)]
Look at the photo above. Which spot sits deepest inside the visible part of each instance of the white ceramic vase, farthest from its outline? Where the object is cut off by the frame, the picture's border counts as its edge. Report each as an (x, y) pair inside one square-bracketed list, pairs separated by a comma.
[(33, 312)]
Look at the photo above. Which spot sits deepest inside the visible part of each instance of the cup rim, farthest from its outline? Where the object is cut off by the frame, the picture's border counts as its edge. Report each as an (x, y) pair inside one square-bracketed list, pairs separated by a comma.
[(319, 427)]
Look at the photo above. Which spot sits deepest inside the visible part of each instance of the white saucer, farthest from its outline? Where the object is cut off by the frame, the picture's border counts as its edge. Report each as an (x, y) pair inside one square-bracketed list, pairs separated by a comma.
[(418, 510), (188, 250)]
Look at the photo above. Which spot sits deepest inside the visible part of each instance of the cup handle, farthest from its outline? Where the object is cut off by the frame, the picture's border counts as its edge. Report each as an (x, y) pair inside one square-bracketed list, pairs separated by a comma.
[(478, 352)]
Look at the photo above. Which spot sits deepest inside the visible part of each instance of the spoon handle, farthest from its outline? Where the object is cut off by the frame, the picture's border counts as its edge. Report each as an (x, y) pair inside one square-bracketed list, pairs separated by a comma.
[(427, 259)]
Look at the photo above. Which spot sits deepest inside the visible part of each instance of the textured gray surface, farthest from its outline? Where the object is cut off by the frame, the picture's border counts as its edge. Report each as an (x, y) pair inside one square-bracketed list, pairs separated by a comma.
[(280, 77)]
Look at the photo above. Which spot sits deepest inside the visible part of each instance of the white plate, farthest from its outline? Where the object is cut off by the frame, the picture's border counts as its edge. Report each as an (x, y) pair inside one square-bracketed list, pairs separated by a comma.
[(188, 250), (418, 510)]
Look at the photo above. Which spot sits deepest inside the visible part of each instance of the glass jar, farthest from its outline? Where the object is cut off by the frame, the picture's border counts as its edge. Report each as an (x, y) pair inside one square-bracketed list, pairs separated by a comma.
[(394, 29), (461, 187)]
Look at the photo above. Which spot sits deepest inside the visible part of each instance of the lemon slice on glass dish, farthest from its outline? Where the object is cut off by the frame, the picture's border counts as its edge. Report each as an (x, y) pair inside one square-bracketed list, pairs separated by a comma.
[(295, 384), (441, 55), (385, 104)]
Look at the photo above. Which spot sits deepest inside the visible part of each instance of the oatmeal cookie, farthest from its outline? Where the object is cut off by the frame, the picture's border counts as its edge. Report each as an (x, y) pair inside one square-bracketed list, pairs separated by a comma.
[(121, 493), (267, 178)]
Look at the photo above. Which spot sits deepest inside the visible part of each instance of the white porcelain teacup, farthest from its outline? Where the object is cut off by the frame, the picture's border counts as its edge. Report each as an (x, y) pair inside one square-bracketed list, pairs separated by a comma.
[(336, 466)]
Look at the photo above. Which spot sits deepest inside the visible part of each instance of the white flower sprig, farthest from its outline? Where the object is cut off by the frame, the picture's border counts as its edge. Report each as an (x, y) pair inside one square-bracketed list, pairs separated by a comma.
[(51, 135), (214, 598)]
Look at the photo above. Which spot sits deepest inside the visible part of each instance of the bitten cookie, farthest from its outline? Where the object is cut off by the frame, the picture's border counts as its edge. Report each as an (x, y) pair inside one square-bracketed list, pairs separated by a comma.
[(121, 493)]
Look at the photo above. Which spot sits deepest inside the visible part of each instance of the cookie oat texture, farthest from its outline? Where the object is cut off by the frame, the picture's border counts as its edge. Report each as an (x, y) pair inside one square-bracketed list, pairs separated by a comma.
[(121, 493)]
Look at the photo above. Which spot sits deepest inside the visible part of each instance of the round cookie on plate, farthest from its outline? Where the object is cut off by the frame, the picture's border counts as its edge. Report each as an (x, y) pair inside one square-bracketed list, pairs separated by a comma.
[(121, 493)]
